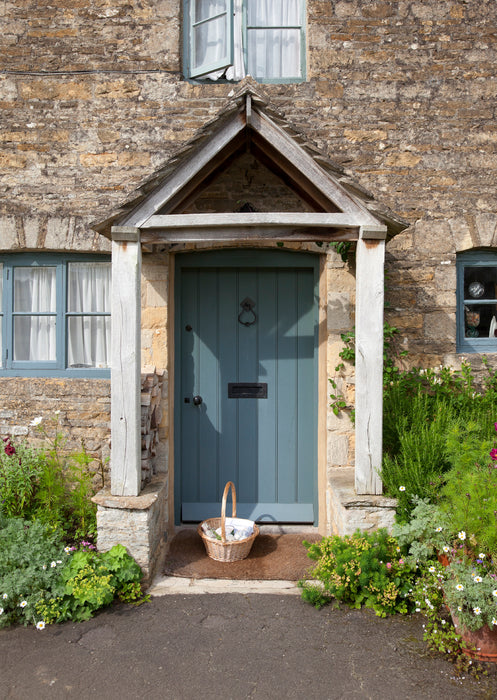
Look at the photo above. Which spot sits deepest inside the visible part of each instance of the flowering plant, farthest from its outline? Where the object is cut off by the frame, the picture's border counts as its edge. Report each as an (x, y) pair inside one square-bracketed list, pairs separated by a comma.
[(426, 534), (470, 588), (359, 569)]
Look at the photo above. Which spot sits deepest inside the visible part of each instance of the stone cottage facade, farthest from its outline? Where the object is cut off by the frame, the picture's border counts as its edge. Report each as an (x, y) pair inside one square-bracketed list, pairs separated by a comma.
[(107, 110)]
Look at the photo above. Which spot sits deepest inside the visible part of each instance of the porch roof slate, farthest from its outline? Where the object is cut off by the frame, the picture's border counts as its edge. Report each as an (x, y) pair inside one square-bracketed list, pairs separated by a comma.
[(332, 172)]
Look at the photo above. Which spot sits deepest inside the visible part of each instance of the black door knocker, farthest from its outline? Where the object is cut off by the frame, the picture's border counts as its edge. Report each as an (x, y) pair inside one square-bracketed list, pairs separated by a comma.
[(247, 308)]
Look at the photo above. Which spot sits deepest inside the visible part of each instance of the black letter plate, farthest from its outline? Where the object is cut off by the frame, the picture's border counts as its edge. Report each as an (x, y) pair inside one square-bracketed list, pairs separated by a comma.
[(247, 391)]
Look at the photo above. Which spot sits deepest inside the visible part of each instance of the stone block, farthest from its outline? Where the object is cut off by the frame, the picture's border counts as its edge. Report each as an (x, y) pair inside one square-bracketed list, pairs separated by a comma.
[(338, 449), (137, 522), (350, 512), (339, 311)]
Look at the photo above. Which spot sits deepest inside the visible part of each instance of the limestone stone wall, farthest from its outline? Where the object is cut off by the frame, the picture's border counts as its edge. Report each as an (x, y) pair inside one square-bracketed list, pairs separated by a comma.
[(78, 408), (92, 102)]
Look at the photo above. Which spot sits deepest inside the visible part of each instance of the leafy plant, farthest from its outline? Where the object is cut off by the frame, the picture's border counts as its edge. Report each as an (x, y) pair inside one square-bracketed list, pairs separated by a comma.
[(470, 588), (439, 631), (31, 557), (20, 470), (427, 532), (360, 569), (48, 484)]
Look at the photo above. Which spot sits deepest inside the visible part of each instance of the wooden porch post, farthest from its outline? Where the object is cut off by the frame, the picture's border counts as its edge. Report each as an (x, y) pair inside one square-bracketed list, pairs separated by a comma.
[(126, 362), (370, 259)]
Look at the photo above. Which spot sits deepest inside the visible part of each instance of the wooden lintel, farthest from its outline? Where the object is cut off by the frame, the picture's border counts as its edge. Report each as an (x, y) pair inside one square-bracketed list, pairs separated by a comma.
[(377, 233), (125, 233), (228, 233), (252, 220)]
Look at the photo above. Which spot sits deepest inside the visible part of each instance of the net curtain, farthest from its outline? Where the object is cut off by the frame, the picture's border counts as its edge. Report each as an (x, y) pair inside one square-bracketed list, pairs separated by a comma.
[(272, 53), (88, 336)]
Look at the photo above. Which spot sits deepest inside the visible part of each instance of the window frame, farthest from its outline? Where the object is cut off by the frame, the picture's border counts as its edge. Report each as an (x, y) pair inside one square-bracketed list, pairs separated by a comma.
[(472, 258), (50, 368), (201, 76)]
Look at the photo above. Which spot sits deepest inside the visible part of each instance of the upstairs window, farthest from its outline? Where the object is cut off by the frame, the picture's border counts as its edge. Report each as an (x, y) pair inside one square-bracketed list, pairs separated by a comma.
[(477, 302), (55, 315), (228, 39)]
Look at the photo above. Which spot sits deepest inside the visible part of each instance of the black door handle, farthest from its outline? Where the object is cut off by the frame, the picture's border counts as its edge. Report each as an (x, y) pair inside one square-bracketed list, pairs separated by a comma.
[(197, 400)]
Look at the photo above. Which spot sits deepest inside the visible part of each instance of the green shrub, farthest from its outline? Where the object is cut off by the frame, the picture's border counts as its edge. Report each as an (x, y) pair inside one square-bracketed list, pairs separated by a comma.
[(361, 569), (41, 581), (469, 496), (32, 555), (48, 485), (20, 471)]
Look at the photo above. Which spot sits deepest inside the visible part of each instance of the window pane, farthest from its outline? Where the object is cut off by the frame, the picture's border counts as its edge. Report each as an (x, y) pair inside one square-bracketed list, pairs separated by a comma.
[(34, 289), (88, 343), (274, 53), (88, 287), (208, 8), (209, 42), (34, 338), (480, 282), (480, 321), (273, 13)]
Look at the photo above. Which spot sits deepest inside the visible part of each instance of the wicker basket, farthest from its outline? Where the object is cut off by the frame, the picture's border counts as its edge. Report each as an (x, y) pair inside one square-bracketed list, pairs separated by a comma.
[(221, 550)]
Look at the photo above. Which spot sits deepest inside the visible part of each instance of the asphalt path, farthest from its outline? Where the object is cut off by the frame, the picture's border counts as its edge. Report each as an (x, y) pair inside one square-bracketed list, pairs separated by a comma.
[(222, 646)]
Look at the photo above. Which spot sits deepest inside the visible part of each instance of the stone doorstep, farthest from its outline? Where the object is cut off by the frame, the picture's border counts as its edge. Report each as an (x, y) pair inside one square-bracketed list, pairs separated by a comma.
[(174, 585), (351, 511)]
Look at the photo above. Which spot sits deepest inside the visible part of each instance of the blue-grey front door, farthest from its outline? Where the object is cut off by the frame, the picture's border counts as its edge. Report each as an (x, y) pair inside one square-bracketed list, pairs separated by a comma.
[(246, 384)]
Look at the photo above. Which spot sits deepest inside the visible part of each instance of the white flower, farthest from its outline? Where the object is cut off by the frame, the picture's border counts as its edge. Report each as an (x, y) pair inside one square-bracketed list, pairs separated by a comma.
[(53, 564), (23, 604), (459, 608), (477, 610), (478, 579), (459, 587), (1, 611), (402, 488), (44, 567), (481, 556), (5, 596), (432, 569), (494, 593), (57, 412), (67, 550), (446, 548), (461, 535), (438, 529), (494, 621), (36, 421), (40, 625), (59, 561)]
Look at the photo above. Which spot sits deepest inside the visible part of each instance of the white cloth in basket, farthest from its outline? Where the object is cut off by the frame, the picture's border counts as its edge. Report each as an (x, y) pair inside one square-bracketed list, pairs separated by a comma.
[(236, 529)]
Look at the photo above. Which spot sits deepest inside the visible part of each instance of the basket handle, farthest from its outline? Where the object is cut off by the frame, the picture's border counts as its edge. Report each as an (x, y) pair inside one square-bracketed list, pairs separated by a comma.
[(229, 485)]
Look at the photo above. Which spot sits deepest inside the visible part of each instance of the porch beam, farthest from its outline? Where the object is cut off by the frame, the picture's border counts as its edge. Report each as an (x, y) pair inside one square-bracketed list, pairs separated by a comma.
[(126, 362), (370, 257), (249, 226)]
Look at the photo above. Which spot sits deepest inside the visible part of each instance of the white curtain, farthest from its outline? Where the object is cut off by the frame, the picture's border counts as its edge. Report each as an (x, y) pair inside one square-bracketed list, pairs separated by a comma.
[(273, 53), (34, 293), (213, 44), (88, 337)]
